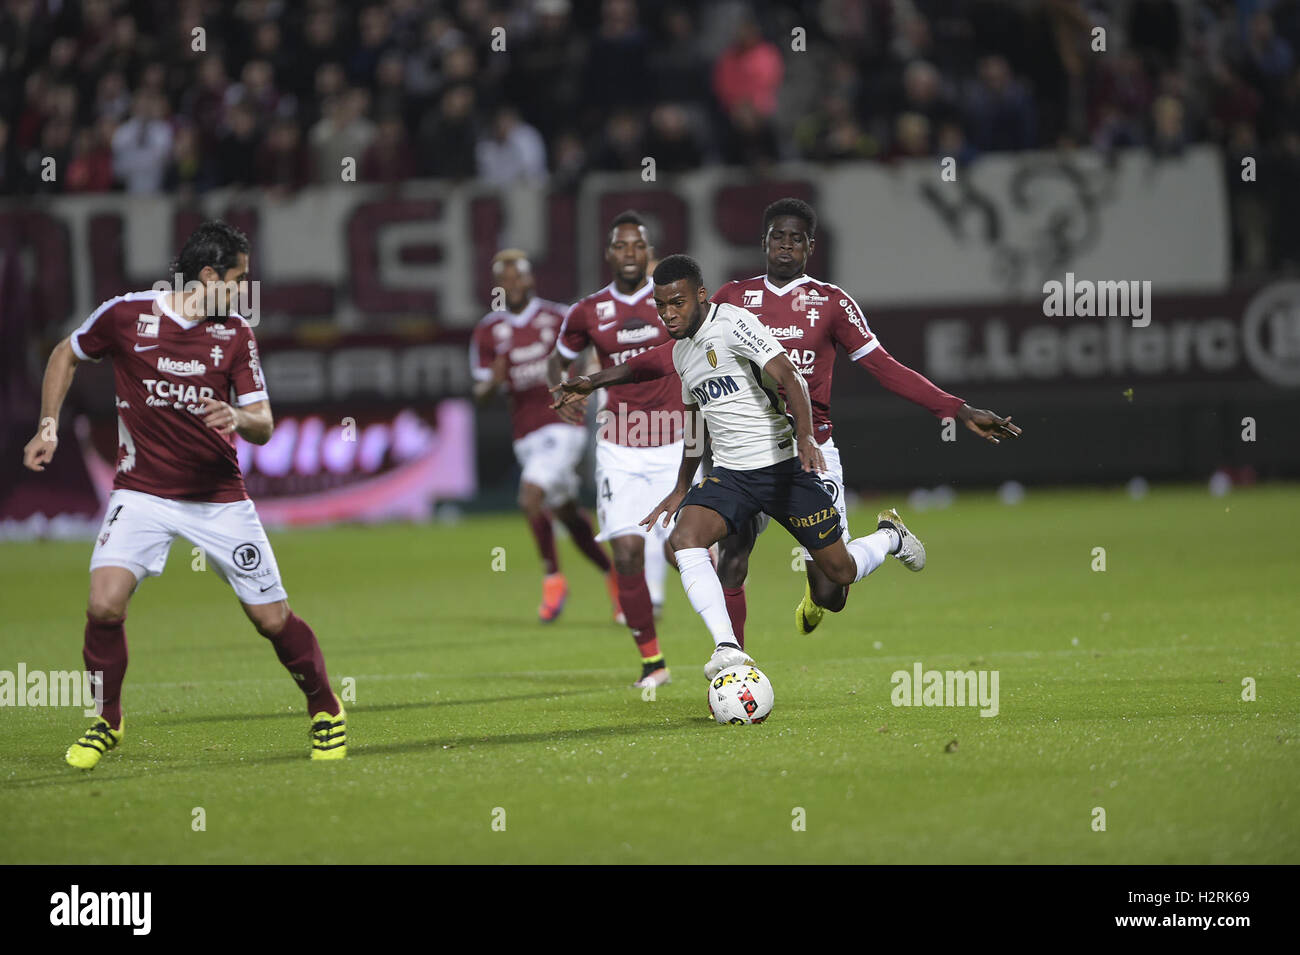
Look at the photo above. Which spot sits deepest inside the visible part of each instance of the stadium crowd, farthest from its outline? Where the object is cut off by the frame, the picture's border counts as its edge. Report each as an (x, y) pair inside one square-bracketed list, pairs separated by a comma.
[(153, 96)]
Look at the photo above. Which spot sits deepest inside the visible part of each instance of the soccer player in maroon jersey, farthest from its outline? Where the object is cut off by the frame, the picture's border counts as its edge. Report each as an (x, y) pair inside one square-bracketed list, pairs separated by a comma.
[(509, 350), (639, 434), (811, 318), (188, 379)]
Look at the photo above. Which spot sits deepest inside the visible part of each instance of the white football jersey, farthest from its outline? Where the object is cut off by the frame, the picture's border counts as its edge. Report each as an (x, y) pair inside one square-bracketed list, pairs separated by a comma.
[(721, 368)]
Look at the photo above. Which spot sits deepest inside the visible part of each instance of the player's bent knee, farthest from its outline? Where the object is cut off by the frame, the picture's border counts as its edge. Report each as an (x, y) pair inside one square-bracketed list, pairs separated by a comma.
[(103, 608), (733, 569), (269, 619), (830, 596)]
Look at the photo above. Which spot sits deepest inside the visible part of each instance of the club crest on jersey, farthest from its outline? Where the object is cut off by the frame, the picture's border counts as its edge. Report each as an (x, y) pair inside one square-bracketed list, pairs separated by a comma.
[(146, 325), (604, 310), (712, 356), (753, 298)]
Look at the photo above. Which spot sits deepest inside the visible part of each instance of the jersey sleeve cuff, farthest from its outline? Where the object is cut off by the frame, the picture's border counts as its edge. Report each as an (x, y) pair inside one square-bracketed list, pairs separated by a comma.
[(865, 350), (76, 348), (253, 397), (566, 351)]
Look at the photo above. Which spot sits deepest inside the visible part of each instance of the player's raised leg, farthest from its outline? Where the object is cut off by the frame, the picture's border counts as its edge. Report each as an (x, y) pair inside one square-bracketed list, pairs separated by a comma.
[(699, 528)]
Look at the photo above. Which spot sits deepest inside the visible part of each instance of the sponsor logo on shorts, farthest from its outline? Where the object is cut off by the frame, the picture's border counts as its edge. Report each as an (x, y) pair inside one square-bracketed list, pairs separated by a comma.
[(247, 557), (812, 520)]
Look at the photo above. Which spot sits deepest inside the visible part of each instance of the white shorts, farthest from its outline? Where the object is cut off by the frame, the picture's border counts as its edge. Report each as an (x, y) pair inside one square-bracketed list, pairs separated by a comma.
[(629, 483), (139, 528), (550, 458), (833, 480)]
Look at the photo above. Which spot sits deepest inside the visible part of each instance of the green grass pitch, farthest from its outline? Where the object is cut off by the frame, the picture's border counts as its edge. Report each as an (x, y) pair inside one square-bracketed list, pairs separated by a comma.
[(1119, 689)]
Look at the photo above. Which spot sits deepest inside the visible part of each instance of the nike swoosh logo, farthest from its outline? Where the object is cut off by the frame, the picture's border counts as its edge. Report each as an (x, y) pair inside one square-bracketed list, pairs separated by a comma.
[(145, 347), (831, 531), (266, 588), (606, 326)]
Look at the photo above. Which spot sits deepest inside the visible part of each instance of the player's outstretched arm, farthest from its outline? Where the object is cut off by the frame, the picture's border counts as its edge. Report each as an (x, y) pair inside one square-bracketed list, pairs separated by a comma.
[(987, 424), (253, 422), (915, 387), (787, 376), (692, 451), (54, 388)]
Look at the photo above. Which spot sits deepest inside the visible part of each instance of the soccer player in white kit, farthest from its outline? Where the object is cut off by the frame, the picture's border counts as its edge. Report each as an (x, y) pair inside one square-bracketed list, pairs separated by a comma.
[(814, 320), (734, 370), (188, 378)]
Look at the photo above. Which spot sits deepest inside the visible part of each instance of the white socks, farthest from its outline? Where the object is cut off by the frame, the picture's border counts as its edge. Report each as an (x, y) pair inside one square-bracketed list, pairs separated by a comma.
[(656, 566), (704, 591), (870, 552)]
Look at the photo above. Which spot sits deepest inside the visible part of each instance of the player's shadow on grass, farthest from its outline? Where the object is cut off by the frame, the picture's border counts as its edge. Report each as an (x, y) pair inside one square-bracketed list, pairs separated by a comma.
[(356, 709), (121, 773)]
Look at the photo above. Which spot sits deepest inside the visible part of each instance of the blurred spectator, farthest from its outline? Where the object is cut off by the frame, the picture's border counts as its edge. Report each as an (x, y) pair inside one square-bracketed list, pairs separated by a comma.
[(677, 62), (343, 133), (91, 167), (282, 164), (672, 140), (622, 147), (568, 161), (750, 139), (390, 158), (142, 146), (832, 132), (749, 71), (1168, 133), (189, 172), (512, 152), (542, 82), (448, 136), (911, 137), (236, 149), (617, 73), (1000, 112)]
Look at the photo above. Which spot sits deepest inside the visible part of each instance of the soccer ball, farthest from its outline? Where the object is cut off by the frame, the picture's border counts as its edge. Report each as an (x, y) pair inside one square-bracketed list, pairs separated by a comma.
[(741, 694)]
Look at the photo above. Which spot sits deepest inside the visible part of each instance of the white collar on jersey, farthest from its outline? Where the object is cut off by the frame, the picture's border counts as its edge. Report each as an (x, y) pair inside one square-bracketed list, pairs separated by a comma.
[(167, 310), (520, 319), (793, 284), (641, 293)]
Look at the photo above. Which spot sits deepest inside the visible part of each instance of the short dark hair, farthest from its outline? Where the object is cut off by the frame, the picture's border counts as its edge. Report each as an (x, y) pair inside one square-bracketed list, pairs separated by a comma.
[(677, 267), (213, 243), (627, 217), (791, 207)]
